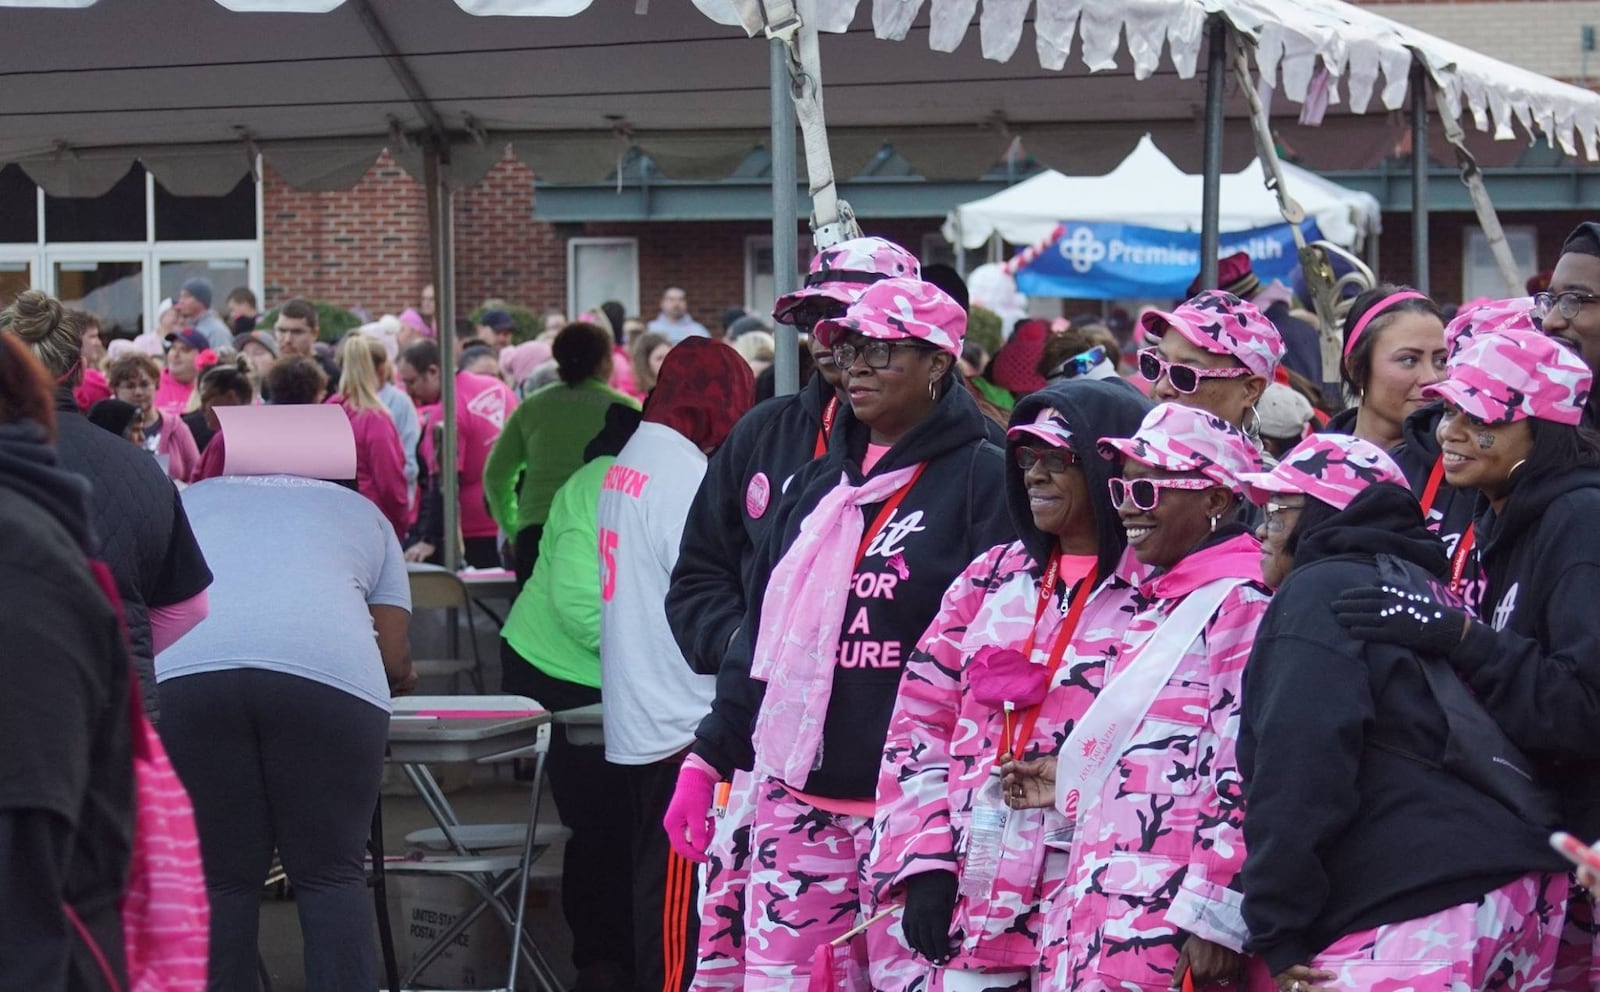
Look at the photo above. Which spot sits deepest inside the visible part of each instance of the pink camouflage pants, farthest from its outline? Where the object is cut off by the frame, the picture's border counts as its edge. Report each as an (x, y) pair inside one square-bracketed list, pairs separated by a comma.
[(805, 890), (723, 879), (1578, 961), (1505, 941)]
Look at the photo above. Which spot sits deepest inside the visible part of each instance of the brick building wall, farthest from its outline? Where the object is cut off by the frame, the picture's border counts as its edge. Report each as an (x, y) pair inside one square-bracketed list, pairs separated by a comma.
[(368, 247)]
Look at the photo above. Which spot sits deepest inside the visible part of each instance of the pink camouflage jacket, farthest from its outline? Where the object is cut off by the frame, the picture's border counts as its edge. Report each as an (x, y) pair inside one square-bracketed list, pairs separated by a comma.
[(942, 744), (1155, 860)]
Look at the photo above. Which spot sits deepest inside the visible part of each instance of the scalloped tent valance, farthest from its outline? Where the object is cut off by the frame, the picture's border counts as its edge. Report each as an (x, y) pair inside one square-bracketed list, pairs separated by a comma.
[(320, 87)]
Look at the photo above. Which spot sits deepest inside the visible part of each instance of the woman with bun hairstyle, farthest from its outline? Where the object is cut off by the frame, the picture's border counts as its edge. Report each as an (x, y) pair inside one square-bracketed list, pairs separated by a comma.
[(1394, 347), (1372, 863), (1143, 774), (143, 530), (967, 873), (861, 549), (1514, 401)]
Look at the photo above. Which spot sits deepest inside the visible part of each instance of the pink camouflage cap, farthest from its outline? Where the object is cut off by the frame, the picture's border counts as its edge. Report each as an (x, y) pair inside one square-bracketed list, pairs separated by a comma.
[(1049, 426), (1183, 439), (1333, 468), (1488, 317), (1513, 375), (897, 309), (841, 273), (1222, 324)]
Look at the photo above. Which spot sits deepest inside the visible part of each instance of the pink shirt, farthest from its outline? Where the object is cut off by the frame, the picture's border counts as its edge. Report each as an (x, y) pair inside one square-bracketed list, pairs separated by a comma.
[(380, 463), (172, 396), (482, 406), (91, 390), (177, 443)]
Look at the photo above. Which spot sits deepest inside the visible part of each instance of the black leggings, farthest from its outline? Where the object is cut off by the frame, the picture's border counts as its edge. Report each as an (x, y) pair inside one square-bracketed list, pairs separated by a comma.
[(596, 873), (279, 761)]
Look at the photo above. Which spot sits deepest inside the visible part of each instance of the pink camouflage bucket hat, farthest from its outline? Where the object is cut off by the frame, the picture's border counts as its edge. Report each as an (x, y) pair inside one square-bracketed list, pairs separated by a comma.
[(1183, 439), (1333, 468), (1513, 375), (1488, 317), (1222, 324), (841, 273), (898, 309)]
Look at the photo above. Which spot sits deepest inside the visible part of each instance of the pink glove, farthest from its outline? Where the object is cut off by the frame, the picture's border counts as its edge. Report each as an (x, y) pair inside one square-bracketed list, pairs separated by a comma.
[(688, 819)]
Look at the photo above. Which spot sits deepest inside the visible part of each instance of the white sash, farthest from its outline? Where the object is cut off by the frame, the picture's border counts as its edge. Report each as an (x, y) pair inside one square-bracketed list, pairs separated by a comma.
[(1099, 738)]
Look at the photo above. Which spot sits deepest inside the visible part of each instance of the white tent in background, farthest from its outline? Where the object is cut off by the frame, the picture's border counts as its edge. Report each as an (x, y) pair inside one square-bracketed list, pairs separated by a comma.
[(1149, 190)]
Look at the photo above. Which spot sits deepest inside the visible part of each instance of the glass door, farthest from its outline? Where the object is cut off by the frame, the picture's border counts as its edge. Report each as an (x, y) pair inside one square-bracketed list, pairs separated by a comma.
[(111, 290)]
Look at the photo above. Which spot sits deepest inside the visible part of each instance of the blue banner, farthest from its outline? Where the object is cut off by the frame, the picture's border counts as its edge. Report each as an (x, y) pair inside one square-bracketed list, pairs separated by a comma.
[(1100, 261)]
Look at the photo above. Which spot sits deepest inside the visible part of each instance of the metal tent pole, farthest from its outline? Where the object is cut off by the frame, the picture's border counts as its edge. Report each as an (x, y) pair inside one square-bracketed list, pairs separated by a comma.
[(785, 217), (1211, 183), (440, 216), (1419, 176)]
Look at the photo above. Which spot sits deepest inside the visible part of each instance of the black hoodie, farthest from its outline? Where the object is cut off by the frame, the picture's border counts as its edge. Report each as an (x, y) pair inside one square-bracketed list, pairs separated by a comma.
[(1535, 659), (1341, 835), (66, 773), (1094, 409), (737, 500), (1453, 509), (954, 512)]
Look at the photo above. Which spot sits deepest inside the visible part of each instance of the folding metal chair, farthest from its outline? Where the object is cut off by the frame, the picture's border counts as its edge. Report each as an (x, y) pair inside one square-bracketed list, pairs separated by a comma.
[(437, 588)]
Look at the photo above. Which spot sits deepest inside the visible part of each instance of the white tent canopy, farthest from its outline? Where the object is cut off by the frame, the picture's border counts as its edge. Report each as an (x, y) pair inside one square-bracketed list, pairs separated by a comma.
[(320, 87), (1148, 190)]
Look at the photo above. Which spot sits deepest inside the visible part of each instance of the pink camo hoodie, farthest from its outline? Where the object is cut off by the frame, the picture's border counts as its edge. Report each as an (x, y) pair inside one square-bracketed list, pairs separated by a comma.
[(1159, 855), (942, 745)]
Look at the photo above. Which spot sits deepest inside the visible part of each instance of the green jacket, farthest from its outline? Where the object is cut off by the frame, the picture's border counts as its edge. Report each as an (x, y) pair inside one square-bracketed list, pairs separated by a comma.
[(555, 622), (542, 444)]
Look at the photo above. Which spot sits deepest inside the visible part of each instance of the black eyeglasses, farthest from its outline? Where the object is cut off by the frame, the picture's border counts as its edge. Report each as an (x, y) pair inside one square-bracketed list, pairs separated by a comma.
[(1184, 378), (1568, 304), (875, 352), (1147, 492), (1055, 460)]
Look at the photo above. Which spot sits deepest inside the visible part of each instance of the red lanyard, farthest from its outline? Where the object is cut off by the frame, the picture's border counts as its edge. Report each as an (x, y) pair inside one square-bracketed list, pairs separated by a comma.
[(1458, 561), (884, 514), (1058, 650), (828, 413), (1430, 492)]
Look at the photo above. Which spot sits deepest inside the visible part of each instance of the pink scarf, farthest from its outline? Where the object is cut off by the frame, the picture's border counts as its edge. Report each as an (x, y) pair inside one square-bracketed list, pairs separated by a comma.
[(800, 623)]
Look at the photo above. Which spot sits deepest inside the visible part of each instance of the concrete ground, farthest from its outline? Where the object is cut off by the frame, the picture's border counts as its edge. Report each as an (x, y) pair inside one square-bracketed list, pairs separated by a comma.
[(492, 797)]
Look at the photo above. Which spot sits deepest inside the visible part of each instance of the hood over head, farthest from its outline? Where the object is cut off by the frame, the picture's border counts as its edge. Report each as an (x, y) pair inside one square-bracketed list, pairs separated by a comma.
[(704, 386)]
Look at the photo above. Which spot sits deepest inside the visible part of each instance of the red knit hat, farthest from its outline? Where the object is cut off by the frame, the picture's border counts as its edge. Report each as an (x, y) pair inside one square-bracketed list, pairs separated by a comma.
[(1015, 365)]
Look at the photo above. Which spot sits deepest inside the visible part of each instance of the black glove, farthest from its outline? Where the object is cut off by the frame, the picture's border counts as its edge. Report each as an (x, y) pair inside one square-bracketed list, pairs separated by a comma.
[(1390, 615), (930, 904)]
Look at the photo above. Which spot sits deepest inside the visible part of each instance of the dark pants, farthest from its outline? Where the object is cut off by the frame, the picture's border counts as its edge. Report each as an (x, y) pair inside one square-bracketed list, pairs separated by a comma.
[(526, 552), (666, 914), (481, 552), (596, 880), (279, 761)]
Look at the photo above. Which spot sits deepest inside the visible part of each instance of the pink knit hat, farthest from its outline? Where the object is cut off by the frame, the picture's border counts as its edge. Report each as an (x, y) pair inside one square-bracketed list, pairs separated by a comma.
[(1488, 317), (1516, 374), (841, 273), (1333, 468), (519, 360), (1183, 439), (897, 309), (1222, 324)]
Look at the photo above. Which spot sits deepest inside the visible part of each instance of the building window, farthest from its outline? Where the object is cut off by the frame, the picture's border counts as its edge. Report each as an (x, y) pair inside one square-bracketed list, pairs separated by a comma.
[(760, 291), (937, 251), (1480, 276), (601, 269), (120, 254)]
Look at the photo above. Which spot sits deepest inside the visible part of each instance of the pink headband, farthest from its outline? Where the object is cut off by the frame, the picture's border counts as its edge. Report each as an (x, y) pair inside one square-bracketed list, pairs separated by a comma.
[(1375, 311)]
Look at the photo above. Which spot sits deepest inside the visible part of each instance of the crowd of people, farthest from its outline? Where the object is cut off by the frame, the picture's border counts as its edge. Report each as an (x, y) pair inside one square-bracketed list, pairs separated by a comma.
[(1138, 655)]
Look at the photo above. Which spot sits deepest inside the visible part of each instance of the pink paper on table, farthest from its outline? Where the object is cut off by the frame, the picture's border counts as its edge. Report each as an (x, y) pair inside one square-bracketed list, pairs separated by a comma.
[(313, 442)]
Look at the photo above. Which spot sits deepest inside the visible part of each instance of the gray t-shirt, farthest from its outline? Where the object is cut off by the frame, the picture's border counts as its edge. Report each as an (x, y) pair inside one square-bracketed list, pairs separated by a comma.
[(296, 564)]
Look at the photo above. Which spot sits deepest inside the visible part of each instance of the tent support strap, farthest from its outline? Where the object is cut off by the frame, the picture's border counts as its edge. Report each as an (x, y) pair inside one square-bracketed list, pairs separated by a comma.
[(785, 217), (1211, 197), (441, 223), (1419, 176)]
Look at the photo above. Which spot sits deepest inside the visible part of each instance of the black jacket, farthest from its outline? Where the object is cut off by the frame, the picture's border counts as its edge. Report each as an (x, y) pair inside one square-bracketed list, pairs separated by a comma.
[(140, 528), (1453, 509), (1095, 409), (1535, 659), (66, 771), (738, 498), (1302, 349), (1343, 835), (954, 512)]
